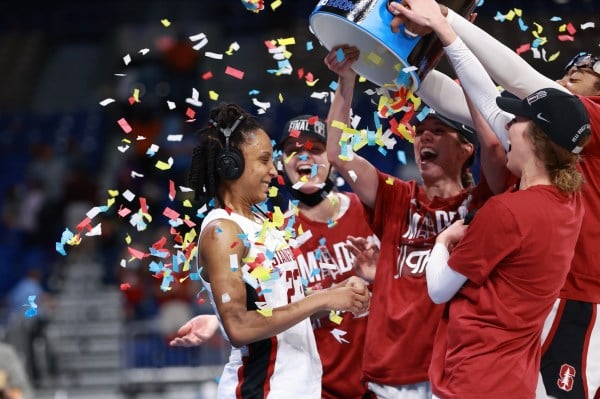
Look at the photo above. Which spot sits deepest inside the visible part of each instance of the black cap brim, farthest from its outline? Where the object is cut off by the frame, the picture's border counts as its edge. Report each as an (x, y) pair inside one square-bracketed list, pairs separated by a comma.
[(512, 105)]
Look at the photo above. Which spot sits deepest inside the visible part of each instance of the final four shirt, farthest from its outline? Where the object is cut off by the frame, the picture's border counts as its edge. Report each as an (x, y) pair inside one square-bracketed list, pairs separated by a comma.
[(323, 261), (402, 317), (286, 365)]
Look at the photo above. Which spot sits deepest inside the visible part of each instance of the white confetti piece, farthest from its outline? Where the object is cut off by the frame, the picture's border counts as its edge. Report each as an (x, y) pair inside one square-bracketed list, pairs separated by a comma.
[(107, 101), (127, 59), (174, 137), (215, 56), (92, 213), (95, 231), (353, 175), (225, 298), (171, 105), (128, 195), (144, 51), (135, 174)]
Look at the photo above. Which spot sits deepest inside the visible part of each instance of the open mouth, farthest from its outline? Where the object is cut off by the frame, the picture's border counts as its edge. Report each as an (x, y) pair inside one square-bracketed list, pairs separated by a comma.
[(427, 154), (304, 170)]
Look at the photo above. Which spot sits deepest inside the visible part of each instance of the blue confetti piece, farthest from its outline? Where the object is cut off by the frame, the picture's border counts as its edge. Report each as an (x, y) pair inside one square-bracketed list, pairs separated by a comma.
[(522, 25), (253, 92), (195, 277), (339, 54), (314, 272), (32, 311), (401, 157), (555, 19), (382, 150), (479, 3), (423, 114), (303, 157), (371, 137), (219, 230), (314, 168), (536, 43), (333, 86), (499, 17), (304, 281), (322, 241), (309, 46), (376, 120)]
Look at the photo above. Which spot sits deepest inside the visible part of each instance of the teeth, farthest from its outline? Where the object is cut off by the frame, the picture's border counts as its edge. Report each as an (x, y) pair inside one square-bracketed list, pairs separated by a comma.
[(428, 151)]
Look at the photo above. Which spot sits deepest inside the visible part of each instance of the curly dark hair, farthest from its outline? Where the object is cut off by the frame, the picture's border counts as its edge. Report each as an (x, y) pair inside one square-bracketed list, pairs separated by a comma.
[(203, 177)]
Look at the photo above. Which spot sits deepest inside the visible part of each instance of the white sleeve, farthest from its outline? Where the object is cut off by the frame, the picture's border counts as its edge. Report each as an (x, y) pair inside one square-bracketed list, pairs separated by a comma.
[(445, 96), (504, 65), (442, 281), (479, 87)]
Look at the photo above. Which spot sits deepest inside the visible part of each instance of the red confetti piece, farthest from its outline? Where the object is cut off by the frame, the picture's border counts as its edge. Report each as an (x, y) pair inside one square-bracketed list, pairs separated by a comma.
[(234, 244), (171, 190), (523, 48), (280, 180), (300, 73), (236, 73), (207, 75), (295, 133), (190, 113), (566, 38), (143, 205), (125, 286), (571, 29), (84, 223), (308, 145), (170, 213)]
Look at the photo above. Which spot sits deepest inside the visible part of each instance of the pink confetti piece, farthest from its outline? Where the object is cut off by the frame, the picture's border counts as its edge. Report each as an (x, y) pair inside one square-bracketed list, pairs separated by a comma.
[(207, 75), (566, 38), (190, 113), (523, 48), (236, 73), (124, 125)]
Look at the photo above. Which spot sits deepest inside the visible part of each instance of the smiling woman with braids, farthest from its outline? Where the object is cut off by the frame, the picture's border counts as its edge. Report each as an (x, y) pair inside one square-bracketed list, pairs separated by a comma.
[(250, 271)]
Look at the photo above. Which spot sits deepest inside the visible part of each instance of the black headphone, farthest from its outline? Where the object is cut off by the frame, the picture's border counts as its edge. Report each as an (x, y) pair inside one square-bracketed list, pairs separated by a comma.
[(230, 161)]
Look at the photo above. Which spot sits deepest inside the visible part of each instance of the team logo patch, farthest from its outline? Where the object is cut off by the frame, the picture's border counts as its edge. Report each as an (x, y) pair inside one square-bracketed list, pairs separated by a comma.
[(566, 380)]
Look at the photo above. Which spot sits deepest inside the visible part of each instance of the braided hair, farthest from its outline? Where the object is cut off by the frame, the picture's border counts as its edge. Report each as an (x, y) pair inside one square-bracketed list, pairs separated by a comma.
[(203, 177)]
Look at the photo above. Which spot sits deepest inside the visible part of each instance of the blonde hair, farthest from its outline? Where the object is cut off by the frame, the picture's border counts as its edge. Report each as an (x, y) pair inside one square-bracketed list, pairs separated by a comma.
[(560, 163)]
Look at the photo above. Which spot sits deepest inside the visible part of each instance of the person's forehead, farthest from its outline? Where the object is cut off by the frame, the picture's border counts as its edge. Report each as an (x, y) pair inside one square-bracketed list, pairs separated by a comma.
[(301, 141), (433, 121)]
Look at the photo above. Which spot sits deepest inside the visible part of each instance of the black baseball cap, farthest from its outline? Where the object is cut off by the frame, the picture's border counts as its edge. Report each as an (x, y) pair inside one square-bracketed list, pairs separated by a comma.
[(466, 131), (304, 126), (560, 115)]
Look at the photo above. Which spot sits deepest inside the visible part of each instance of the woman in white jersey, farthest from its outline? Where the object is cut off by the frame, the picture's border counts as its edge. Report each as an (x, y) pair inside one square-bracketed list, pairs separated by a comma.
[(249, 270)]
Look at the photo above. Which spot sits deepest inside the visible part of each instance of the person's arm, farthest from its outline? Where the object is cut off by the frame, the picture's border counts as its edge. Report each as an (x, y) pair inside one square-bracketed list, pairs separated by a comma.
[(503, 64), (442, 281), (244, 326), (365, 257), (440, 92), (493, 156), (473, 77), (358, 172)]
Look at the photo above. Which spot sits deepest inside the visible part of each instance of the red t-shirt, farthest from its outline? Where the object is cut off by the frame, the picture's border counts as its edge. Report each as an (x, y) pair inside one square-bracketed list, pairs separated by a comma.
[(341, 361), (583, 282), (402, 317), (516, 255)]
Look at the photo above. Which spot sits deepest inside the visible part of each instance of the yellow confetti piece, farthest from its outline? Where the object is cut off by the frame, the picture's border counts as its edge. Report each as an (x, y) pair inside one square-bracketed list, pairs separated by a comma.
[(280, 98), (113, 193), (128, 239), (187, 203), (261, 273), (375, 59), (311, 83), (267, 312), (539, 28), (136, 95), (275, 4), (278, 217), (511, 15), (518, 12), (362, 79), (553, 56), (110, 202), (161, 165), (166, 23), (335, 318), (273, 191), (213, 95), (389, 181), (287, 41)]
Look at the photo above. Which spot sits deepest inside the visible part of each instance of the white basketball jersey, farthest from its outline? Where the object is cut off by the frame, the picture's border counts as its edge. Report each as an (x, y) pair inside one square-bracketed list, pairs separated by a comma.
[(286, 365)]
